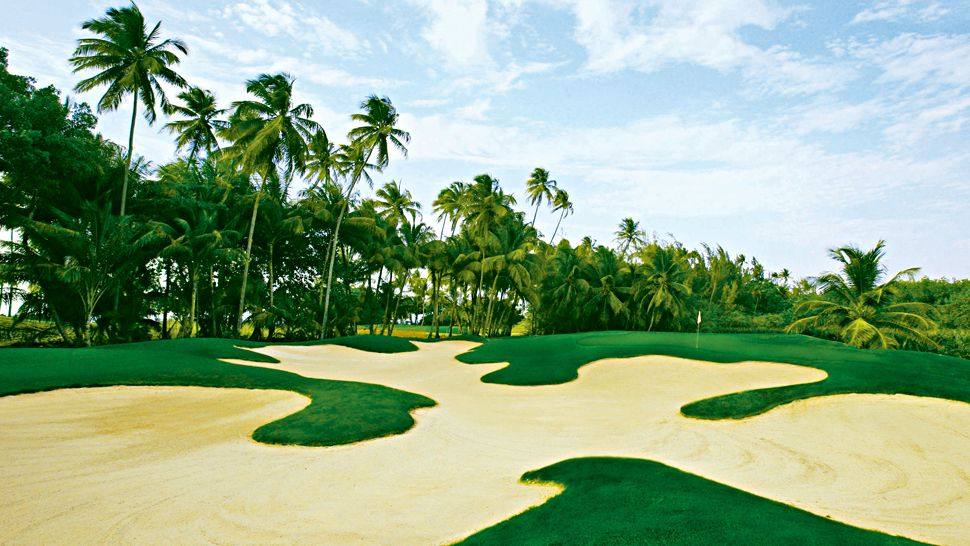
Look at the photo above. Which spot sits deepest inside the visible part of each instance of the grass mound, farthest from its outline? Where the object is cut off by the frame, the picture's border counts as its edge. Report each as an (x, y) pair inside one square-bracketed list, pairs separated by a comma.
[(631, 501), (544, 360), (340, 412), (367, 342)]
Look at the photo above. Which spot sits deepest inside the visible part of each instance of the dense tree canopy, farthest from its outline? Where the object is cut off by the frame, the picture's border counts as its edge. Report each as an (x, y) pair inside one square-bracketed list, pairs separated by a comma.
[(263, 228)]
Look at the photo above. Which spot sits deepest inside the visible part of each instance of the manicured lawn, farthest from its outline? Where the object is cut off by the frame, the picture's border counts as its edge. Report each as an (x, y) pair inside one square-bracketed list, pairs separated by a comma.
[(632, 501), (544, 360), (340, 412)]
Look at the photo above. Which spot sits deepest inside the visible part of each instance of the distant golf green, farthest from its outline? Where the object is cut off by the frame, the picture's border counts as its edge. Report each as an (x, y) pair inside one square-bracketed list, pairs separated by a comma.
[(544, 360), (340, 412), (633, 501)]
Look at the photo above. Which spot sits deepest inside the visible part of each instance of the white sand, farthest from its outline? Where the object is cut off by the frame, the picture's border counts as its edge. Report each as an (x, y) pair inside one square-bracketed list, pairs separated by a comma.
[(166, 465)]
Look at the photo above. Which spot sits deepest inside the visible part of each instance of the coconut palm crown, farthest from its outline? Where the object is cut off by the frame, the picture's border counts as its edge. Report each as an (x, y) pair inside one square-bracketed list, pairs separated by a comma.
[(858, 305), (130, 60), (196, 131)]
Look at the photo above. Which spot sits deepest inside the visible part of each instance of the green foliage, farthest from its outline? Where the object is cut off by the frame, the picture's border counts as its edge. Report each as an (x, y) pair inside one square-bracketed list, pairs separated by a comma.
[(861, 308), (544, 360), (339, 412), (241, 254), (632, 501)]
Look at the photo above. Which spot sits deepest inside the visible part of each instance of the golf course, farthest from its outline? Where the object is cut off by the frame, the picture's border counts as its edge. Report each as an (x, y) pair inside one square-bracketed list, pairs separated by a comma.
[(603, 272), (579, 438)]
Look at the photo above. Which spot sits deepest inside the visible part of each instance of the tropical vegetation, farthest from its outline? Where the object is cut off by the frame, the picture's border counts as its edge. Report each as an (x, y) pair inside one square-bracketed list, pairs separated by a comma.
[(268, 227)]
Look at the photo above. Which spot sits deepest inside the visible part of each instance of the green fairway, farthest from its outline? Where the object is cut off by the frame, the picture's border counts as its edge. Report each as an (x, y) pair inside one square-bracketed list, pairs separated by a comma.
[(632, 501), (340, 412), (555, 359)]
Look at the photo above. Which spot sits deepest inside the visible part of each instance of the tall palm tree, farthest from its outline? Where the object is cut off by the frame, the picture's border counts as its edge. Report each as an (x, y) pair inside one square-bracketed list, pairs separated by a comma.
[(539, 188), (396, 205), (326, 161), (561, 203), (377, 133), (487, 206), (859, 307), (629, 234), (663, 288), (131, 60), (267, 134), (200, 122), (448, 205)]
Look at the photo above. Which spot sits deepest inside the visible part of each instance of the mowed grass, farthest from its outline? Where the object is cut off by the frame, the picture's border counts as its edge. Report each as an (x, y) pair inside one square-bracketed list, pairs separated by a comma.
[(631, 501), (544, 360), (339, 412)]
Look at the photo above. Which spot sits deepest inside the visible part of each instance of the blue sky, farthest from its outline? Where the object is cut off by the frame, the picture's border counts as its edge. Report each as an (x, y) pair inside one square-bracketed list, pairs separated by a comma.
[(775, 129)]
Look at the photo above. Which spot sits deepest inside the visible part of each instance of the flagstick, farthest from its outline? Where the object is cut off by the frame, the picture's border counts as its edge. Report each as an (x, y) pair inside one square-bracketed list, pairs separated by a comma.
[(697, 336)]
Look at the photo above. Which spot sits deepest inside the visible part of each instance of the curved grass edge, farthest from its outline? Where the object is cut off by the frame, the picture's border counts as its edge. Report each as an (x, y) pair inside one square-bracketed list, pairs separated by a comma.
[(547, 360), (339, 412), (627, 500)]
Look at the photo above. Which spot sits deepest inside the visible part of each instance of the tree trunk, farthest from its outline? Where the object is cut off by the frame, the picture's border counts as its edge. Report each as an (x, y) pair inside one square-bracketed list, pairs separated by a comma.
[(10, 301), (434, 307), (553, 238), (194, 274), (476, 320), (212, 301), (272, 285), (387, 307), (131, 145), (377, 292), (249, 256), (168, 284), (491, 300), (333, 255), (454, 310), (60, 327), (397, 305), (536, 214)]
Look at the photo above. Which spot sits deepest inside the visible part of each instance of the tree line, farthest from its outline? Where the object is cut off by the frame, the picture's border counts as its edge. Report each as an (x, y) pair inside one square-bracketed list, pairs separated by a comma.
[(219, 242)]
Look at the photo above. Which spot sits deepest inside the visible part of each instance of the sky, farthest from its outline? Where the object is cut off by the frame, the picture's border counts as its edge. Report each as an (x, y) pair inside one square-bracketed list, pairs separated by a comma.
[(775, 129)]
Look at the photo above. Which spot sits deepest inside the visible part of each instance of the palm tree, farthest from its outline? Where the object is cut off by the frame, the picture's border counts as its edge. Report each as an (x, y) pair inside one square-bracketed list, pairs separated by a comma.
[(266, 133), (396, 205), (200, 122), (629, 235), (561, 203), (196, 241), (539, 188), (85, 254), (608, 290), (487, 206), (664, 286), (377, 133), (326, 161), (859, 307), (448, 205), (130, 60)]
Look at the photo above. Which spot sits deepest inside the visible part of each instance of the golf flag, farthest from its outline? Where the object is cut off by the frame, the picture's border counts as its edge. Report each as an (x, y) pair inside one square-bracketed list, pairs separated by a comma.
[(697, 336)]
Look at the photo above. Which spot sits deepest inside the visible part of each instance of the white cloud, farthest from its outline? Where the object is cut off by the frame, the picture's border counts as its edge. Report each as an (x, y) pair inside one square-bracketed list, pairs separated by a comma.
[(923, 83), (294, 21), (909, 58), (620, 35), (891, 10), (458, 31), (476, 110)]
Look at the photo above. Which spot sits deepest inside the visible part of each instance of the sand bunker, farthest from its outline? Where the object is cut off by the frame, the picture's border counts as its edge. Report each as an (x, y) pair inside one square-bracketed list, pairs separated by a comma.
[(169, 465)]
